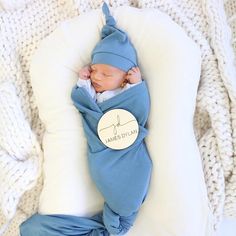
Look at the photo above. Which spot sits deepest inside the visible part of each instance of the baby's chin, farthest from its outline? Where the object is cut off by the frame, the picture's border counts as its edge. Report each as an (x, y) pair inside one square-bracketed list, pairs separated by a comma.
[(99, 90)]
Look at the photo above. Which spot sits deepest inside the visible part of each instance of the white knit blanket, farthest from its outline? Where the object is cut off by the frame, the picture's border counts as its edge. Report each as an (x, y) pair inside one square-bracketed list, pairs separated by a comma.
[(24, 23)]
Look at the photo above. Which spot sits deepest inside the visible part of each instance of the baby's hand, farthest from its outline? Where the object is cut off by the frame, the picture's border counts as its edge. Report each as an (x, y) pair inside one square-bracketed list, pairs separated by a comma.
[(134, 75), (85, 72)]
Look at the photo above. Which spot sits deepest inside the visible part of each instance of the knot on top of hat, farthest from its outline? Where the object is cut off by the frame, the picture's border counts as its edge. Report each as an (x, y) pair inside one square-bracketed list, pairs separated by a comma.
[(109, 18), (112, 33)]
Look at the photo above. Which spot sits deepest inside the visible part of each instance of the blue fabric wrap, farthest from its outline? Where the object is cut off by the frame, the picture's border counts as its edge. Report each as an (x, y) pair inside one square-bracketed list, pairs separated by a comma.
[(122, 176), (60, 225)]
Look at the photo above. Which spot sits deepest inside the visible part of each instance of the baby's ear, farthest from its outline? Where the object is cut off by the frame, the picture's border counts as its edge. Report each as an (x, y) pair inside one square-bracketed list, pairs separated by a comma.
[(126, 80), (124, 83)]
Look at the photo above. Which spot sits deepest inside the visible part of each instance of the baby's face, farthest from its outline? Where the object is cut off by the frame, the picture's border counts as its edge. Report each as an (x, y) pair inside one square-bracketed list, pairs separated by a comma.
[(105, 77)]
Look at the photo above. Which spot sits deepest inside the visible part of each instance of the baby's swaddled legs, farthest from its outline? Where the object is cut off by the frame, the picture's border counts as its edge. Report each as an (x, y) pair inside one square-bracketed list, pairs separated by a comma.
[(123, 179)]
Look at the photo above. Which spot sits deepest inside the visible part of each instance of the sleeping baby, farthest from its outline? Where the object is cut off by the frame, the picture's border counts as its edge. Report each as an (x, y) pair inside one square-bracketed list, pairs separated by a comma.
[(112, 81)]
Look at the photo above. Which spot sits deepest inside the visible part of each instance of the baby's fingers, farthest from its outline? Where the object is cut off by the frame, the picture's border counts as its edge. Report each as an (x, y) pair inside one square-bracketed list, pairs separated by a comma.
[(135, 69), (87, 74), (131, 71)]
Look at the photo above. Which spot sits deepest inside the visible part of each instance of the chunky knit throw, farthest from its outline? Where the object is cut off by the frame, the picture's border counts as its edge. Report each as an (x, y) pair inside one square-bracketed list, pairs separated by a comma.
[(24, 23)]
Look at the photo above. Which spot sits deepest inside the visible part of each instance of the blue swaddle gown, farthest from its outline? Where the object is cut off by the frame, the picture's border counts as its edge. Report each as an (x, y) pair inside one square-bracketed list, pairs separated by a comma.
[(122, 176)]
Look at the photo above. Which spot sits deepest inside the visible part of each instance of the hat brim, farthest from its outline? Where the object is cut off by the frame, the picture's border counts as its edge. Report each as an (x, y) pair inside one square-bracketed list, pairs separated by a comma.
[(113, 60)]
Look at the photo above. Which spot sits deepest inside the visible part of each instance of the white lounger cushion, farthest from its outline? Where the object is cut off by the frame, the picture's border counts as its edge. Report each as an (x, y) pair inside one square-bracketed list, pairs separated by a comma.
[(170, 62)]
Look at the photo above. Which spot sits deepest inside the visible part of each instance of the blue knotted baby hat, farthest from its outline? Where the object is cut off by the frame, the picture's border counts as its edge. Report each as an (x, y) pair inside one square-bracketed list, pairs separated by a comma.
[(115, 48)]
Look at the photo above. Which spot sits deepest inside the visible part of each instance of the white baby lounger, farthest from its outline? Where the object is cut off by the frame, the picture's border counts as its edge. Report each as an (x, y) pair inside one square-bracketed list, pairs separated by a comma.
[(177, 203)]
